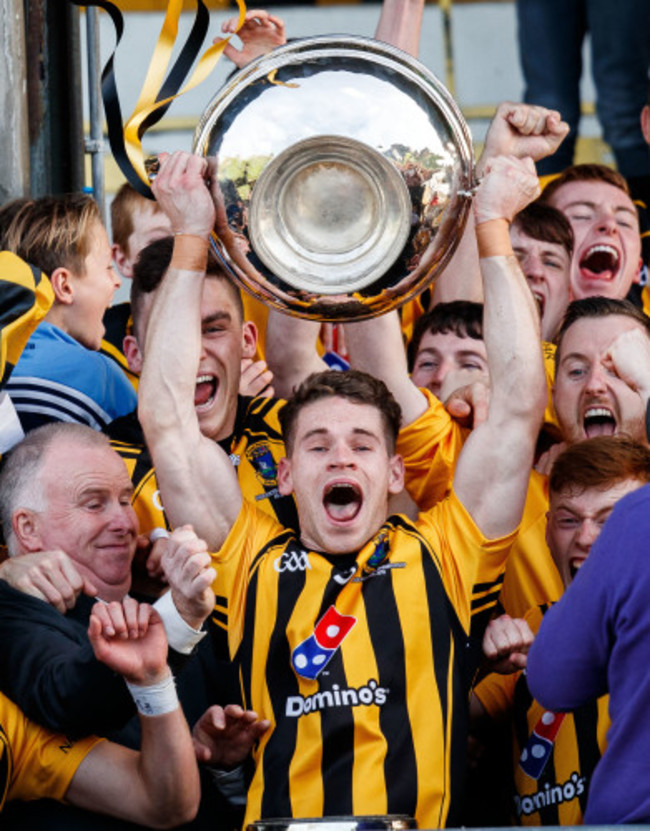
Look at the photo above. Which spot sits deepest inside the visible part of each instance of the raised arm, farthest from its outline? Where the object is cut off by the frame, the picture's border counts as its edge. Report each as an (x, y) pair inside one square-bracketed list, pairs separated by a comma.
[(400, 24), (291, 351), (520, 130), (493, 469), (159, 786), (197, 481), (376, 346)]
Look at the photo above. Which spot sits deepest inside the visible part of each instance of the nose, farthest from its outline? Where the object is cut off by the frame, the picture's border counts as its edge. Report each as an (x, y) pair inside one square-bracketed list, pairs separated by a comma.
[(596, 379), (587, 535), (607, 223), (122, 519), (532, 267), (203, 349), (341, 455), (439, 374)]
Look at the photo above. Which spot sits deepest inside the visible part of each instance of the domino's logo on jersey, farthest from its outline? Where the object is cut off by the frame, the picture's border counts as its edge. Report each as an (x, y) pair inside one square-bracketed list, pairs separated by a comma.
[(540, 744), (311, 656)]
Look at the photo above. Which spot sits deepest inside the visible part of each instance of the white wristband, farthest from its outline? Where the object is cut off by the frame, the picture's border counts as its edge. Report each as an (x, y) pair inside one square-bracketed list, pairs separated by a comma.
[(156, 699), (158, 534)]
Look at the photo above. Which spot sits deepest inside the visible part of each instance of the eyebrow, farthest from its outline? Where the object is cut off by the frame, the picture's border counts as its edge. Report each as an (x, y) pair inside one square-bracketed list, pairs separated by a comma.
[(462, 353), (216, 316), (470, 353), (323, 431), (101, 491), (557, 250), (576, 356), (593, 205)]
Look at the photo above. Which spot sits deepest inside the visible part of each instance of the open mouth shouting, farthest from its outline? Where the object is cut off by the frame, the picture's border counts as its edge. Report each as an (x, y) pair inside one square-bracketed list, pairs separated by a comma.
[(575, 564), (599, 421), (342, 501), (205, 391), (600, 262), (540, 300)]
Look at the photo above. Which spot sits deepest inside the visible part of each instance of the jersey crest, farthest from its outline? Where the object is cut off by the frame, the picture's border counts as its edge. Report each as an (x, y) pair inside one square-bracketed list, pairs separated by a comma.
[(263, 463)]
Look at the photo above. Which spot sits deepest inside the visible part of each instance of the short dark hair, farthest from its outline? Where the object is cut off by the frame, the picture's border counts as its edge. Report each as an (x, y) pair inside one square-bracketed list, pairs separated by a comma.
[(585, 173), (150, 267), (600, 462), (597, 307), (356, 386), (545, 223), (460, 317)]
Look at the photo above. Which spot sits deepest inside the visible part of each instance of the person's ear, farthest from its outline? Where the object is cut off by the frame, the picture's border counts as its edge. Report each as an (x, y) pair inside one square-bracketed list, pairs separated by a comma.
[(62, 285), (122, 261), (645, 123), (285, 480), (637, 276), (26, 530), (132, 353), (249, 339), (395, 474)]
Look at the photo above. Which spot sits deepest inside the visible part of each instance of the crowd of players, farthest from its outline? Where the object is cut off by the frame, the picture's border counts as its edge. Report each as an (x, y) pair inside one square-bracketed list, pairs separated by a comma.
[(345, 580)]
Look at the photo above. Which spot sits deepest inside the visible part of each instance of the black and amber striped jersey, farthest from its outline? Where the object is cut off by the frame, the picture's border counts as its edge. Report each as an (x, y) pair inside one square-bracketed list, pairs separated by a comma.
[(554, 754), (361, 662), (430, 447), (255, 448), (35, 763), (25, 298)]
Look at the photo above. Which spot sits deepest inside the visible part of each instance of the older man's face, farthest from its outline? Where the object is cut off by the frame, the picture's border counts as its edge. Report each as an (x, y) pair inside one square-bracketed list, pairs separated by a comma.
[(89, 515)]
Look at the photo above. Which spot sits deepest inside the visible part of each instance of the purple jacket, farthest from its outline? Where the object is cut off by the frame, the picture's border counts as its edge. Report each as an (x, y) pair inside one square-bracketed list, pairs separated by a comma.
[(596, 639)]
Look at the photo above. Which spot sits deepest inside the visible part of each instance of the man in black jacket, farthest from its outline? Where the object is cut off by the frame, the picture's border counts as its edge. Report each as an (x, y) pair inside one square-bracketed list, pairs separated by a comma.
[(71, 530)]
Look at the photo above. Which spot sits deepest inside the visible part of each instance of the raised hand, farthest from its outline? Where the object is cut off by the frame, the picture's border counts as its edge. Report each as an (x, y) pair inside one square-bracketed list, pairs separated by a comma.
[(129, 637), (225, 737), (256, 379), (469, 404), (188, 569), (260, 33), (48, 575), (180, 188), (523, 130), (508, 185), (628, 356), (506, 643)]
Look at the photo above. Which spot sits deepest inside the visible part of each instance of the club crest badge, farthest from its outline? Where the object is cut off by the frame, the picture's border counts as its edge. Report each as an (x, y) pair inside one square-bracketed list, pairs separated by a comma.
[(263, 464)]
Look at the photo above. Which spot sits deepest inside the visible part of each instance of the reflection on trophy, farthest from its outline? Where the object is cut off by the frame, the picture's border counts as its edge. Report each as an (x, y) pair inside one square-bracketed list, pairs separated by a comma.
[(345, 168)]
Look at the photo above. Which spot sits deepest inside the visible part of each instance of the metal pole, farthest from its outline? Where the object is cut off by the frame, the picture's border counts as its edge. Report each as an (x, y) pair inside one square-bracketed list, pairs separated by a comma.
[(54, 96), (14, 158), (95, 143)]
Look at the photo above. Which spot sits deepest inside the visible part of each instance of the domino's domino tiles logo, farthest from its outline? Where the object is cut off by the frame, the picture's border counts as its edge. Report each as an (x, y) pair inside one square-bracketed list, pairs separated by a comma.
[(311, 656), (539, 746)]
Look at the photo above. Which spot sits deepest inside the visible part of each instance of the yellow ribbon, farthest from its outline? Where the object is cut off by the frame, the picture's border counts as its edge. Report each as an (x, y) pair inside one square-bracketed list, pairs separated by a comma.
[(147, 103)]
